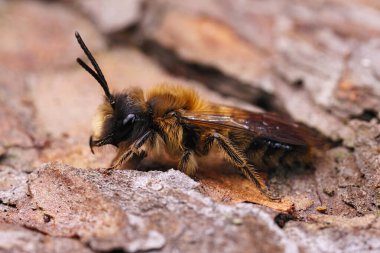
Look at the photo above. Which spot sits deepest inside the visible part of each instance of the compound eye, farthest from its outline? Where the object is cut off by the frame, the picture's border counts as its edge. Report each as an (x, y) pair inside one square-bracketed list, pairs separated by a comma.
[(129, 119)]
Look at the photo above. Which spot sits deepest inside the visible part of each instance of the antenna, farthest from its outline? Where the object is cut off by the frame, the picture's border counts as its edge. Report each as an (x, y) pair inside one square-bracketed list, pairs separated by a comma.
[(97, 74)]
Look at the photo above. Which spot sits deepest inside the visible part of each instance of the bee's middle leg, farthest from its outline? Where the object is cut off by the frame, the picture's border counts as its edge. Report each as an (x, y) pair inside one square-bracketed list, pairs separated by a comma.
[(188, 164)]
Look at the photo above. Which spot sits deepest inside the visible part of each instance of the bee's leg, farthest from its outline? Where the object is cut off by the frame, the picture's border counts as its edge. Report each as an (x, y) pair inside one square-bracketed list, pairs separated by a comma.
[(188, 164), (133, 152), (239, 160), (128, 159)]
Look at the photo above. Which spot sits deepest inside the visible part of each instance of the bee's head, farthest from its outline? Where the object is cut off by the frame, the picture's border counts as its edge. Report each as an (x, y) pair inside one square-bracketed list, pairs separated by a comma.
[(122, 116), (123, 122)]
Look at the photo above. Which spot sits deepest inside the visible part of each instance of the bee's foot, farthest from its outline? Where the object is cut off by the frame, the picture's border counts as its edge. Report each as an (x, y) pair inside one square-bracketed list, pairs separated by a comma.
[(269, 195), (108, 171)]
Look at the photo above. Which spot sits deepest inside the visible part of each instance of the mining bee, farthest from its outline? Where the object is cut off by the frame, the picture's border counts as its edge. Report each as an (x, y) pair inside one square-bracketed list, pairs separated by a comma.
[(177, 120)]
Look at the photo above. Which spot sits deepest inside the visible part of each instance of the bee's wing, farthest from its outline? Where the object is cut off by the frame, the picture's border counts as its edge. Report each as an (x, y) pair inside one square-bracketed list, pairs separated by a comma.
[(260, 125)]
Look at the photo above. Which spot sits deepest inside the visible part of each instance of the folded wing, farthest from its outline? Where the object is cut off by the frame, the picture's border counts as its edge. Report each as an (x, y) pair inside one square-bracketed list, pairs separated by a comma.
[(261, 125)]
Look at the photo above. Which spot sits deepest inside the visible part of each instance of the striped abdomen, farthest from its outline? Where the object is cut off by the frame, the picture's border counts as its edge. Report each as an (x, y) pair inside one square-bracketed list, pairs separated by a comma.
[(266, 154)]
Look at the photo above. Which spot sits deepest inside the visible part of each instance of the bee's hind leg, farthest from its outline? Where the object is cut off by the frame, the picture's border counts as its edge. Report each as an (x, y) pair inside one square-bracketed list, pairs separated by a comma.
[(239, 160)]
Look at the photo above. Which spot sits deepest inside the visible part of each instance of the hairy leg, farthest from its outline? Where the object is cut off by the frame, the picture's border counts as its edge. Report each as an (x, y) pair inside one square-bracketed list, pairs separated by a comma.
[(188, 164), (133, 153), (239, 160)]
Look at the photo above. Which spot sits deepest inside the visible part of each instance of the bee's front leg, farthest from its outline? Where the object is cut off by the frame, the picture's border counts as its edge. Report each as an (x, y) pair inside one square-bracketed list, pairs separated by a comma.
[(130, 157), (134, 152)]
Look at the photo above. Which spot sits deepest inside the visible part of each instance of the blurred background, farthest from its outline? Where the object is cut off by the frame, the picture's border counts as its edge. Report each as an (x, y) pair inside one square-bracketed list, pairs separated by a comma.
[(314, 61)]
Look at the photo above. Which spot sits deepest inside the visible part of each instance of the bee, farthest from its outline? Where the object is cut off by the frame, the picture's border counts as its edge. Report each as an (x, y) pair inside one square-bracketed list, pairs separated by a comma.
[(187, 127)]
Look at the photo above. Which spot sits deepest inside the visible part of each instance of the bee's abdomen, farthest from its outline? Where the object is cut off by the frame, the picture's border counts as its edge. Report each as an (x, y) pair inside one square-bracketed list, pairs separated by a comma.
[(267, 154)]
